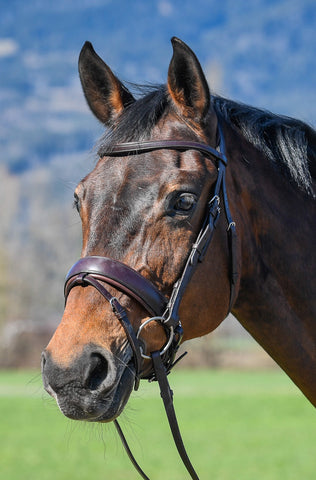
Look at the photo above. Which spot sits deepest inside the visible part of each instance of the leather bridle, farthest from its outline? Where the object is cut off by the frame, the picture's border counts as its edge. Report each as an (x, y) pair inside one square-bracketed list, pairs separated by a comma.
[(100, 271)]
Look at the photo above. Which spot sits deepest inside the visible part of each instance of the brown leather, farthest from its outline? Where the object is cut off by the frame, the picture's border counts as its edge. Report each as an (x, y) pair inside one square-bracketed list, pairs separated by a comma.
[(143, 147), (123, 278)]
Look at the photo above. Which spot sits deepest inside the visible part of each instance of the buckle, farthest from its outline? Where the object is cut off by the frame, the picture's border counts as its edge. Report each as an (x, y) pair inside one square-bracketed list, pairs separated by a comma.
[(169, 342)]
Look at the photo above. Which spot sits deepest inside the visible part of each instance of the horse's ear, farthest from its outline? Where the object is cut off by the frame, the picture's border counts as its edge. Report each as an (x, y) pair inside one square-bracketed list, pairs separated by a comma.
[(105, 94), (187, 84)]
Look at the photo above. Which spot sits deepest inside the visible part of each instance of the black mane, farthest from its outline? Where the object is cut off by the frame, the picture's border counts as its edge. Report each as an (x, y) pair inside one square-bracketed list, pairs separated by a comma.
[(289, 144)]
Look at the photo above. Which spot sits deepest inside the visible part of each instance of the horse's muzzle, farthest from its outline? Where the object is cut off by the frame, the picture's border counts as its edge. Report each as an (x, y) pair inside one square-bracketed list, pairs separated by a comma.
[(94, 387)]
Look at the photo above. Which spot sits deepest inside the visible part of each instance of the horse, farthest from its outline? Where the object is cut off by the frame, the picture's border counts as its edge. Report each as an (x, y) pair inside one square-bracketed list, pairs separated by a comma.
[(197, 206)]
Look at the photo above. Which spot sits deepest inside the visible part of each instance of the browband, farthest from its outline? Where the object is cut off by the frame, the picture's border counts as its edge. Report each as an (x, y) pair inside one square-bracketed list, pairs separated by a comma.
[(141, 147)]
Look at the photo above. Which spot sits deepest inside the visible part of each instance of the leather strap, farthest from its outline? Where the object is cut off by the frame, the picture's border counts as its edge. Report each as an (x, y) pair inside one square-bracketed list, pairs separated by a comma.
[(86, 278), (200, 247), (136, 148), (128, 451), (167, 396), (123, 278)]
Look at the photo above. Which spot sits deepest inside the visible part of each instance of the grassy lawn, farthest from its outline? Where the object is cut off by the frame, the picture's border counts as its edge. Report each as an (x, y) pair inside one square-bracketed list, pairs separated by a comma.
[(235, 425)]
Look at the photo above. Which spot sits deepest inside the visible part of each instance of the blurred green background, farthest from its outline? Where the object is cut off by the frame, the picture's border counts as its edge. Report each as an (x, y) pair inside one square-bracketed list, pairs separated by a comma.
[(245, 425)]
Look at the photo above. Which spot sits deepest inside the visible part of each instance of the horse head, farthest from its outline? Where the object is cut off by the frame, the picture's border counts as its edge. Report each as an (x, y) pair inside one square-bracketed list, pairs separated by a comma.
[(143, 210)]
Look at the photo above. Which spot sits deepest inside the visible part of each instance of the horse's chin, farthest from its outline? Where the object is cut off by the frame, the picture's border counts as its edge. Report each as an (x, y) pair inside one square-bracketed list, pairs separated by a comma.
[(78, 404)]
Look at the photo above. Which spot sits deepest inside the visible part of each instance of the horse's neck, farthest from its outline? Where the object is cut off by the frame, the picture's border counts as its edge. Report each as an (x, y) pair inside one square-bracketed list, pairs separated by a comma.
[(269, 318), (276, 299)]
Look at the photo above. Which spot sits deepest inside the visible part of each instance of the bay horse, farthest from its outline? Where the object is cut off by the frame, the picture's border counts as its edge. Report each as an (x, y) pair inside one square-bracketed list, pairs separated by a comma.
[(168, 162)]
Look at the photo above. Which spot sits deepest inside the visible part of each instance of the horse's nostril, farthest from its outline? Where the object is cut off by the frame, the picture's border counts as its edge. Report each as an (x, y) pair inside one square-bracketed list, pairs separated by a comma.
[(96, 372)]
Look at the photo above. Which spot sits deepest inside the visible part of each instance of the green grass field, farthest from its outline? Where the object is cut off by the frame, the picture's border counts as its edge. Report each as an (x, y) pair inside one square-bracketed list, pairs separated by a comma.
[(235, 425)]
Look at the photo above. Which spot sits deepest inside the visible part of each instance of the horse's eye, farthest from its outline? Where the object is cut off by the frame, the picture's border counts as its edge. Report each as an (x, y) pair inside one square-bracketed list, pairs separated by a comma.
[(76, 203), (185, 202)]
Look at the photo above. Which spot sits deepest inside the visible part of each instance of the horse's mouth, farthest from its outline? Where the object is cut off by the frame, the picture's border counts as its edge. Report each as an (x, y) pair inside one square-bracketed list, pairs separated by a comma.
[(77, 402), (120, 395)]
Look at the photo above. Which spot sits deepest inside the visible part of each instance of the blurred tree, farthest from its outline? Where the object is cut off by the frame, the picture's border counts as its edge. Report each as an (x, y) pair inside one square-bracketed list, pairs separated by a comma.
[(40, 237)]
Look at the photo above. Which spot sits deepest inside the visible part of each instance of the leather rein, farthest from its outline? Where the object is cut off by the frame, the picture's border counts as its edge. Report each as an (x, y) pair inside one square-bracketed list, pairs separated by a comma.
[(98, 271)]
